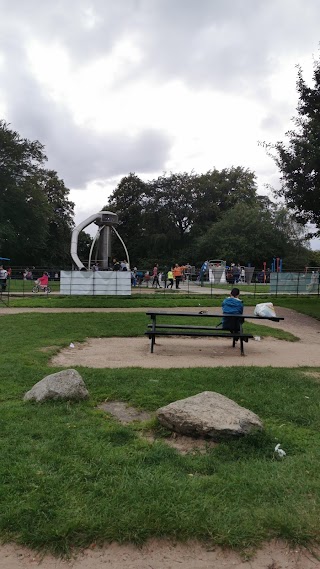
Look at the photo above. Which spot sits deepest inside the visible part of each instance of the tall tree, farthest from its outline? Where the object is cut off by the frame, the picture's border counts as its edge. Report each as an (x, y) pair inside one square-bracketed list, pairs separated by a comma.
[(56, 249), (169, 214), (35, 214), (24, 209), (128, 200), (219, 191), (190, 217), (252, 234), (173, 198), (299, 159), (160, 219)]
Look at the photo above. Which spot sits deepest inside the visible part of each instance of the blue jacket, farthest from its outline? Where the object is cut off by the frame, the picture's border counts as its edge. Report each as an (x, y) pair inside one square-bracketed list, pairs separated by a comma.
[(231, 305)]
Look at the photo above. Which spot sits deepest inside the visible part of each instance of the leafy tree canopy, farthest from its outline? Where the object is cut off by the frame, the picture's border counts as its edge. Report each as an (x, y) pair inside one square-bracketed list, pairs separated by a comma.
[(36, 216), (254, 234), (161, 218), (299, 159), (128, 200)]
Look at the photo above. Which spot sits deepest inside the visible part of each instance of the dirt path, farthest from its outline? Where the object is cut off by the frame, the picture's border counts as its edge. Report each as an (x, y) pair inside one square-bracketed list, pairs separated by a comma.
[(120, 352), (181, 352), (163, 555)]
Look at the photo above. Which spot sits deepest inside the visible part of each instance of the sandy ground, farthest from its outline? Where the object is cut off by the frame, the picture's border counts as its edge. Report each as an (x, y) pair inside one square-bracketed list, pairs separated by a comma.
[(180, 352), (163, 555)]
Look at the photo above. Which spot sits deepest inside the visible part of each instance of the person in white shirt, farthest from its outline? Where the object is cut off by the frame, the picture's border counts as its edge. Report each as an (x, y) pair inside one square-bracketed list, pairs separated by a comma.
[(3, 278)]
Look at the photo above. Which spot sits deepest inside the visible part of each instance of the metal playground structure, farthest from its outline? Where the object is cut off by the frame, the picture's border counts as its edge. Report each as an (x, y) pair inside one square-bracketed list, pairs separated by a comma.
[(86, 281)]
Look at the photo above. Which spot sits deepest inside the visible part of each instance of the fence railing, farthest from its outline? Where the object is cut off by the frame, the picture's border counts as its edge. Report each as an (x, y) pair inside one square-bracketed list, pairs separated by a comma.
[(125, 283)]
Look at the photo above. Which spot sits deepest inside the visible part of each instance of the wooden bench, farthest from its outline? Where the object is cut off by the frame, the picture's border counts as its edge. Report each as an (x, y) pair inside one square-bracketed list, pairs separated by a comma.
[(165, 329)]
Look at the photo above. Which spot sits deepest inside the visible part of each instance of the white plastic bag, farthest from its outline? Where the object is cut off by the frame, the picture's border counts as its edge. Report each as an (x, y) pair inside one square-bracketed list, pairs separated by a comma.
[(280, 452), (265, 309)]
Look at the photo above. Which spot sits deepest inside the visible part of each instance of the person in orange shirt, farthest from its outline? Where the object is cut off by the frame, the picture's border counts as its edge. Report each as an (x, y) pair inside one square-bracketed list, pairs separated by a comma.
[(177, 274)]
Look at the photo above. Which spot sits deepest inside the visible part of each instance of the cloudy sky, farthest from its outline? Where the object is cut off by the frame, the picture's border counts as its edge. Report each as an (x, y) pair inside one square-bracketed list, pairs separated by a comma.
[(152, 86)]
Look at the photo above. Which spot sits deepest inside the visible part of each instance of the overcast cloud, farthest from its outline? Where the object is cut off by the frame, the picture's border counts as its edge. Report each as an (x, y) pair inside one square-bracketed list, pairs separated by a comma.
[(113, 86)]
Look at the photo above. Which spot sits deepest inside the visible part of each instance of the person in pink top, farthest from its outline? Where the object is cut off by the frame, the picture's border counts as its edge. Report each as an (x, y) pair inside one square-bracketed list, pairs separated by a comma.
[(155, 281), (43, 281)]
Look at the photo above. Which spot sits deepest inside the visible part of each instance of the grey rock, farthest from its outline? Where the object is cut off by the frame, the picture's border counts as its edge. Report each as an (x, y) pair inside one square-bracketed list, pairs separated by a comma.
[(208, 414), (66, 384)]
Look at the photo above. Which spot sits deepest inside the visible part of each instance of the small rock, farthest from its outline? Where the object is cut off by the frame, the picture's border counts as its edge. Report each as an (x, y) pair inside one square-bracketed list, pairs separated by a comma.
[(66, 384)]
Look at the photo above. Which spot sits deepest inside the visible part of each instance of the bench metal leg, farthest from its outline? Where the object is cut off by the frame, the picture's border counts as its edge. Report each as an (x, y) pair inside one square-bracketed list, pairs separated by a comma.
[(153, 336), (241, 339), (241, 345)]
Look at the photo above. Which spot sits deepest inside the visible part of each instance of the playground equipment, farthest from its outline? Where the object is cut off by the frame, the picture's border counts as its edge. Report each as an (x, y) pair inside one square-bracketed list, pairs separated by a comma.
[(276, 265), (106, 221), (85, 281), (217, 271)]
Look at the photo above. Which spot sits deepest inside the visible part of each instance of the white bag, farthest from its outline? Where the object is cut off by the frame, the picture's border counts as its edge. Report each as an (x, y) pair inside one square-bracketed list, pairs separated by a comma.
[(265, 309)]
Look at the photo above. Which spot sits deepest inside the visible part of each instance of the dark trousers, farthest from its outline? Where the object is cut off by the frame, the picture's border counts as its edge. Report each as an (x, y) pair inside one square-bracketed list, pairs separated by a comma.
[(232, 324), (178, 280), (156, 281)]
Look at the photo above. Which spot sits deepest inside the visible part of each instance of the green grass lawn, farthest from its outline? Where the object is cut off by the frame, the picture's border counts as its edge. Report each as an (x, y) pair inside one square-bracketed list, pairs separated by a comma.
[(307, 305), (254, 287), (26, 286), (71, 475)]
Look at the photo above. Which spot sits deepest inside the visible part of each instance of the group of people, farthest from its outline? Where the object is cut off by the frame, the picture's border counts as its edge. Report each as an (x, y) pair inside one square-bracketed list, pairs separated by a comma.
[(27, 274), (115, 266), (175, 274), (156, 277), (235, 274), (5, 275)]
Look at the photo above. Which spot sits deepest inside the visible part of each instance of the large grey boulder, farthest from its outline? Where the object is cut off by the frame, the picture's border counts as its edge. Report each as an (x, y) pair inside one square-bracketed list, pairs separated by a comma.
[(208, 414), (66, 384)]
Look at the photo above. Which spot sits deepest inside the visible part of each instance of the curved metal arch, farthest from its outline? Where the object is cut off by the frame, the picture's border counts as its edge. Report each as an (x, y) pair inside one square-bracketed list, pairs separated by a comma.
[(123, 243), (81, 226), (75, 237)]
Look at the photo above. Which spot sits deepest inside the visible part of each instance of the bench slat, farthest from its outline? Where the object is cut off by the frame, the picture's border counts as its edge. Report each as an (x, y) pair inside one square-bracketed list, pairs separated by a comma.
[(185, 327), (221, 334), (209, 315)]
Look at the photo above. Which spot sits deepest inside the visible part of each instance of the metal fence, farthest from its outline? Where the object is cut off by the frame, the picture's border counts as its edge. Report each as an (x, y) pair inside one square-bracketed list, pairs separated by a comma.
[(272, 284)]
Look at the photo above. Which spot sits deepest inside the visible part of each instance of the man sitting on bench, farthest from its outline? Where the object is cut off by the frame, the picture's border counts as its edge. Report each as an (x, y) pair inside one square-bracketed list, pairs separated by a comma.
[(232, 305)]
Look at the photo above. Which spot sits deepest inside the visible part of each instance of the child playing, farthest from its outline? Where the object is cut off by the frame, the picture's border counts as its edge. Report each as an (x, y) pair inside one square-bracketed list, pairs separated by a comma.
[(43, 281), (170, 279)]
